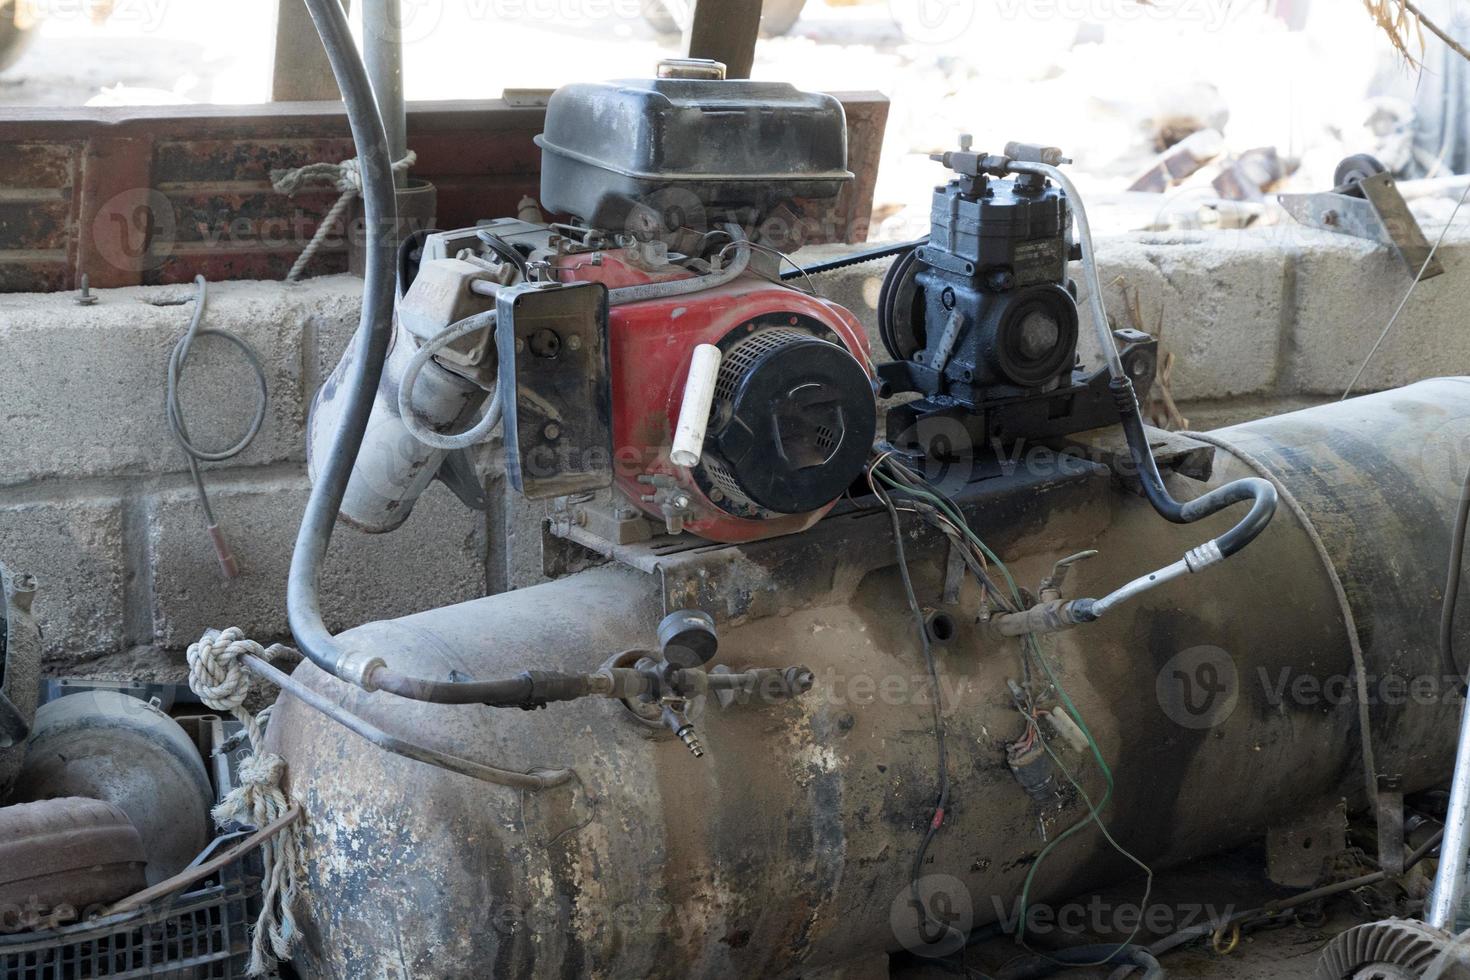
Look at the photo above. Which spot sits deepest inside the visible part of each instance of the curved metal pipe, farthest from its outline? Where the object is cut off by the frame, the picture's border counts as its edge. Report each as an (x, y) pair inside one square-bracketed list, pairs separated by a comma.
[(374, 333), (1260, 492)]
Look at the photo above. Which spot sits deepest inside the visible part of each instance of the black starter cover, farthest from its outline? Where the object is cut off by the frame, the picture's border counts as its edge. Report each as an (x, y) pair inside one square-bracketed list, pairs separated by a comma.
[(797, 419)]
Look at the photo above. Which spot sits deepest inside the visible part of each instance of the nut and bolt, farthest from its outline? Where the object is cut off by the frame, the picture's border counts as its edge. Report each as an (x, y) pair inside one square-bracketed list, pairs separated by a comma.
[(84, 295)]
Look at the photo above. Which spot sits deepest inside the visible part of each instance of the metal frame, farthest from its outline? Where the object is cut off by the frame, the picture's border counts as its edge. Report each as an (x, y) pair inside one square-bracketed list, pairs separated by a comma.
[(138, 196)]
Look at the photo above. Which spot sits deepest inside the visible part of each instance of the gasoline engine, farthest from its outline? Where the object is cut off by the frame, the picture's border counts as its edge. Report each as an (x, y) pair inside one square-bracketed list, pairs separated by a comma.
[(720, 800), (649, 344)]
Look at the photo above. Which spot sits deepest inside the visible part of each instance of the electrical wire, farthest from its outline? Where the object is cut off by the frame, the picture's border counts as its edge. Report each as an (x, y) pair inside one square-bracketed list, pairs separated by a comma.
[(1452, 585), (1267, 913), (1418, 276), (941, 748), (174, 412), (911, 483)]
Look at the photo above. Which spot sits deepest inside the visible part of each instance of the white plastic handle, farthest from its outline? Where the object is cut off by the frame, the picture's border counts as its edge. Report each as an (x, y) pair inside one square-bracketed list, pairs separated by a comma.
[(699, 395)]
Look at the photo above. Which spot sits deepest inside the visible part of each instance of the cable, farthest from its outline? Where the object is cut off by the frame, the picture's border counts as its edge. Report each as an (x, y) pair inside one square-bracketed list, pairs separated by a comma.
[(1418, 276), (416, 428), (1259, 492), (941, 748), (1175, 940), (374, 333), (1452, 585), (174, 412), (912, 483)]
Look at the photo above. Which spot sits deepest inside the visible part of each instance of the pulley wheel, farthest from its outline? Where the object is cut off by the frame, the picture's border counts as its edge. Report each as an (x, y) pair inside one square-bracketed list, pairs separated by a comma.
[(1394, 949), (900, 309)]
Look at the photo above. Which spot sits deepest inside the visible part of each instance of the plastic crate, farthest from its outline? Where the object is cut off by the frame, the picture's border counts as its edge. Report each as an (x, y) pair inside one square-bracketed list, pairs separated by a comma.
[(201, 934)]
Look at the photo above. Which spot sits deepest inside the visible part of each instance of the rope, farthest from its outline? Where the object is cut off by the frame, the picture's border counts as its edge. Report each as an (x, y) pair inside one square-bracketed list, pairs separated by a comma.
[(346, 177), (217, 675)]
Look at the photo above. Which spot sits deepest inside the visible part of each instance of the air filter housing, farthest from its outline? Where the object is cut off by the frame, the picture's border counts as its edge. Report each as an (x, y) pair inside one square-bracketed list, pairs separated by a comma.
[(792, 424)]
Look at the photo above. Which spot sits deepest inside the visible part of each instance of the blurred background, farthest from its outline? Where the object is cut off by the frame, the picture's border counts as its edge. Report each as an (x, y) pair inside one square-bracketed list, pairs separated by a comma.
[(1178, 113)]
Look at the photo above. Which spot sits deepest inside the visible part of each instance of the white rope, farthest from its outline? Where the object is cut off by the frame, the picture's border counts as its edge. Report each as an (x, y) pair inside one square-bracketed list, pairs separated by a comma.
[(222, 682), (346, 177)]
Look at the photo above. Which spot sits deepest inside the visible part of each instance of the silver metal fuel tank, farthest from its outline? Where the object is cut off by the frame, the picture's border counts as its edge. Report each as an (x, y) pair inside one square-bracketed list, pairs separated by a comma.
[(786, 849)]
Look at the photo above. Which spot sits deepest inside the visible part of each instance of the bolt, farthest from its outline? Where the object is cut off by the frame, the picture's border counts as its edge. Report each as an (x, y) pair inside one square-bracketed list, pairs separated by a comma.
[(966, 141), (551, 431), (84, 296), (681, 501), (574, 342)]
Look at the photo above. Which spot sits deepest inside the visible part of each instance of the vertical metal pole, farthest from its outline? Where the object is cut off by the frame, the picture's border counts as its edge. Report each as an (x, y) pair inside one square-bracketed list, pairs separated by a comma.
[(301, 71), (382, 54), (726, 31), (1445, 908)]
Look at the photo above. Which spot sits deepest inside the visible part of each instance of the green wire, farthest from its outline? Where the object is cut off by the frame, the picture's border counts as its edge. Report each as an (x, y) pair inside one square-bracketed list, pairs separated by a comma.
[(1029, 643)]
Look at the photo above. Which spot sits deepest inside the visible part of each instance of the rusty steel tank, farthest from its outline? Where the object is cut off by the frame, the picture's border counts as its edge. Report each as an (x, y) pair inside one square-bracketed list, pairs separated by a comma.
[(787, 848)]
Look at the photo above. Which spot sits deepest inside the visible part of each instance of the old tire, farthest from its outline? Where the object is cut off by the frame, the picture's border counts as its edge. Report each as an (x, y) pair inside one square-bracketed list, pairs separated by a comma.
[(65, 852)]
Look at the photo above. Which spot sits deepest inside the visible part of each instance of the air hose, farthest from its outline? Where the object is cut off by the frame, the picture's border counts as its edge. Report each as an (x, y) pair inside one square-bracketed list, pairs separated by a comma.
[(1061, 614), (374, 333)]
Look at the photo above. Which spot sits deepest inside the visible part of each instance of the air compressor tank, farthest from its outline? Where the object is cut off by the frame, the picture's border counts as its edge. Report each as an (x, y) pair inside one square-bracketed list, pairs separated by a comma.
[(786, 849)]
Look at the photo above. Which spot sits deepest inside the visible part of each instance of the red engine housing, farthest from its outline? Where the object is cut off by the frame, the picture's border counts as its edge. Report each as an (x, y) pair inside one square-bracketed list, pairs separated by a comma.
[(651, 343)]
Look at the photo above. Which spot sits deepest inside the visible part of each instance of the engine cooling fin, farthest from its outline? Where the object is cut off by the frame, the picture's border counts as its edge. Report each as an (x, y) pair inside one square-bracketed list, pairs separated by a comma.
[(1394, 949)]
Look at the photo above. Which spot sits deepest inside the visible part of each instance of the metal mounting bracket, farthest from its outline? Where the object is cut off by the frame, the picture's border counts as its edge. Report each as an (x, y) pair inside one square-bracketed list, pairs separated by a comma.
[(1370, 208)]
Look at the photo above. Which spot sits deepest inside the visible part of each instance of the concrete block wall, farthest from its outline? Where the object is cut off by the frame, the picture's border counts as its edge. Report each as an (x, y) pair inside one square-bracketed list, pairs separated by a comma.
[(95, 498)]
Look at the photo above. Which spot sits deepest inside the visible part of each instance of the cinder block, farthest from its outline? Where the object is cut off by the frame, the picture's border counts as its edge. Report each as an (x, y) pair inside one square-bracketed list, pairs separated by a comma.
[(437, 558), (1220, 296), (1346, 292), (74, 548), (1214, 298), (84, 385)]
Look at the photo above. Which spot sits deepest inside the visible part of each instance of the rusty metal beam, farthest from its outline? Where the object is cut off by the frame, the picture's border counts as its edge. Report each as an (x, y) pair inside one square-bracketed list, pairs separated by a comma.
[(726, 31), (136, 196)]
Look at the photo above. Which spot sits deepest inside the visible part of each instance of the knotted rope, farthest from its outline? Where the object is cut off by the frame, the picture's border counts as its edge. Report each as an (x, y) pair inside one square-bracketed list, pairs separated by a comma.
[(346, 177), (222, 682)]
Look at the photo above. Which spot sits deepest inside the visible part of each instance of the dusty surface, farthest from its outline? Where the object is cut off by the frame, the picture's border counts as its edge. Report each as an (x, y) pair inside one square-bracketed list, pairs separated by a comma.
[(1231, 881)]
